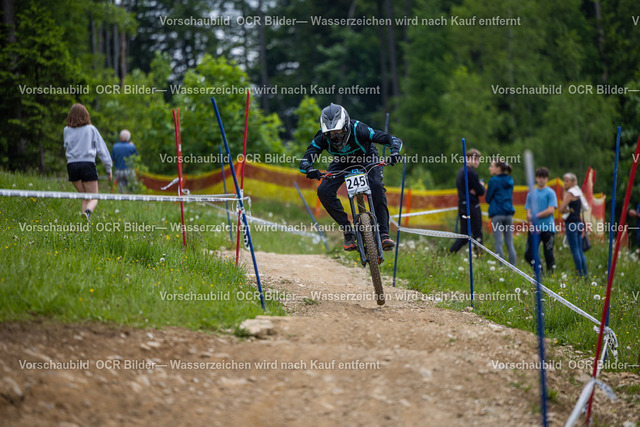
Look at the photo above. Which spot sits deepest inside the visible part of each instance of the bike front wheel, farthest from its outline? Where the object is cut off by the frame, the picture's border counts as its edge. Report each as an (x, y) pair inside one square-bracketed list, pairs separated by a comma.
[(368, 228)]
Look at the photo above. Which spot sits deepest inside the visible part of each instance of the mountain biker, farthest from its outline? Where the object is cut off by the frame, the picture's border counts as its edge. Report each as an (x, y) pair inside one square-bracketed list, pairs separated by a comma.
[(351, 143)]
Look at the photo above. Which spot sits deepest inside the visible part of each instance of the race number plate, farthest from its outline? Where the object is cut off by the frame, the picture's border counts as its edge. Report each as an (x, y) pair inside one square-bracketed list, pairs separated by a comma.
[(356, 184)]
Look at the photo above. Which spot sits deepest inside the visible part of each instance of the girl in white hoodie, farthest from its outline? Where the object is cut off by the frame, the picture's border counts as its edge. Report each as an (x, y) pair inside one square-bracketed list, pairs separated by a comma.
[(82, 142)]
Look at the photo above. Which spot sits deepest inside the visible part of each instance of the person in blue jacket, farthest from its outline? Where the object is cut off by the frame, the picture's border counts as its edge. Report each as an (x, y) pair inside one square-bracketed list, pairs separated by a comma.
[(122, 150), (546, 204), (500, 198)]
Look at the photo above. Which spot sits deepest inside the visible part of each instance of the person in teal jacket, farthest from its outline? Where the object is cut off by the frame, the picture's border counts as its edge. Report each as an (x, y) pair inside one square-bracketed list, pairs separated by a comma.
[(500, 198)]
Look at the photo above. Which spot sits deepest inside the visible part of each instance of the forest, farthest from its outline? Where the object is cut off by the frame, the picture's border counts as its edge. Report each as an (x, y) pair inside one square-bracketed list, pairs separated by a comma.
[(554, 77)]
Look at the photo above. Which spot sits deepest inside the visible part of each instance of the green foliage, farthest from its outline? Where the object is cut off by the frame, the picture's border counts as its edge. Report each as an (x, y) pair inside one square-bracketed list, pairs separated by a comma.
[(146, 115), (455, 73), (308, 114), (36, 64), (200, 132)]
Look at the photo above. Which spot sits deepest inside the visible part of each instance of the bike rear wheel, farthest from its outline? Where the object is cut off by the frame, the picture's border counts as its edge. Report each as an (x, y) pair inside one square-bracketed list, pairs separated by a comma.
[(367, 227)]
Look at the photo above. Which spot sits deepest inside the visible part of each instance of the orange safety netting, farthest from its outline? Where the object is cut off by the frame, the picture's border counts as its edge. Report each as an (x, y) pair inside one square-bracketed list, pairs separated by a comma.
[(271, 182)]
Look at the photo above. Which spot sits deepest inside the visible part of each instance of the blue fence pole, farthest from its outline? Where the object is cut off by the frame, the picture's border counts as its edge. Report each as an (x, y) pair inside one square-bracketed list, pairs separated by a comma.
[(395, 262), (313, 218), (244, 215), (528, 159), (466, 186), (224, 185), (613, 210)]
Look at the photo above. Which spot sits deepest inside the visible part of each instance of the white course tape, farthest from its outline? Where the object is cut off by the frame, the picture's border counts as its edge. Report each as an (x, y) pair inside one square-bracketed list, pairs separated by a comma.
[(175, 181), (431, 233), (107, 196), (584, 398), (436, 211), (281, 227), (612, 337), (431, 212), (533, 281)]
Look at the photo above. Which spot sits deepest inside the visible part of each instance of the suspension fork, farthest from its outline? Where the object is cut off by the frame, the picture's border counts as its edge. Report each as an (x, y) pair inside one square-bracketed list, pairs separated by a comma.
[(356, 224), (362, 208)]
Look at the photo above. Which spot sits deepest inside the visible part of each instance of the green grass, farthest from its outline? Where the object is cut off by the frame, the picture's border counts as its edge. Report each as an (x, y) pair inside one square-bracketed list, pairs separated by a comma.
[(510, 300), (106, 273)]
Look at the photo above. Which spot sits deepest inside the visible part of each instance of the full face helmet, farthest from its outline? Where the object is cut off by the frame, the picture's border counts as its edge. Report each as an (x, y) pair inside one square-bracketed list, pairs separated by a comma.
[(336, 125)]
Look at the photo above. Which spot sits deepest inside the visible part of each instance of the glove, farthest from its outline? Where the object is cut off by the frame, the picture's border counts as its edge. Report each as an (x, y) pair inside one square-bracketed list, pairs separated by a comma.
[(394, 158), (313, 174)]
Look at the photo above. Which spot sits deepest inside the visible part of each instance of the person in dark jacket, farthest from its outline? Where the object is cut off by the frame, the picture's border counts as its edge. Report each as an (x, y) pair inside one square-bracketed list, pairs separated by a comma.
[(635, 213), (476, 189), (352, 143), (500, 198)]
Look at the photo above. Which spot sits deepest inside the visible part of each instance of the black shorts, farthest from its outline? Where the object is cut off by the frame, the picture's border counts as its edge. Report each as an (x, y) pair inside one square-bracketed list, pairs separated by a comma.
[(82, 171)]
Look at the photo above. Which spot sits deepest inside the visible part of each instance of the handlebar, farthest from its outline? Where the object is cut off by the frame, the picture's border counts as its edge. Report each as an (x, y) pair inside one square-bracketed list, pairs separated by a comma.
[(330, 175)]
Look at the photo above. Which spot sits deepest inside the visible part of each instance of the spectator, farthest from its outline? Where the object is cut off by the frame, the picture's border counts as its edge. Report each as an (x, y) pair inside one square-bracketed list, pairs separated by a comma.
[(122, 150), (572, 204), (476, 189), (500, 199), (635, 213), (82, 142), (546, 204)]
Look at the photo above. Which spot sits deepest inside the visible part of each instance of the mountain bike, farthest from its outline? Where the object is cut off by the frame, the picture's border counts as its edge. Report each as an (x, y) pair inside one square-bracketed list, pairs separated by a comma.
[(365, 222)]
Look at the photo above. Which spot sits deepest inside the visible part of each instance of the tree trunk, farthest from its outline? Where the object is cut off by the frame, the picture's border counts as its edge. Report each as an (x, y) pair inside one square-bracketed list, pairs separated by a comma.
[(93, 41), (395, 86), (603, 58), (264, 72), (107, 47), (123, 57), (122, 49), (245, 39), (100, 33), (8, 19), (407, 11), (116, 50), (383, 63), (42, 164)]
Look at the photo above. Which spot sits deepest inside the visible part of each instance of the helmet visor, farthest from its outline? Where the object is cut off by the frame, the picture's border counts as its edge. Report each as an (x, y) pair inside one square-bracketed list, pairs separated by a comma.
[(336, 136)]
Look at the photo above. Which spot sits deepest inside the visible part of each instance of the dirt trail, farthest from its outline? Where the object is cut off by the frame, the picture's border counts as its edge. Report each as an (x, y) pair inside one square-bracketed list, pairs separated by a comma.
[(338, 359)]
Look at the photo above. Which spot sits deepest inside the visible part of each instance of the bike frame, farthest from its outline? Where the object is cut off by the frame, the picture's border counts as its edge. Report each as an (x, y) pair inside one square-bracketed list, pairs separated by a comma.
[(359, 197), (368, 240)]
